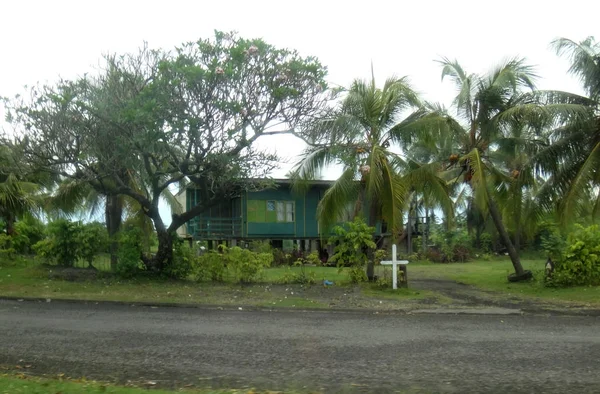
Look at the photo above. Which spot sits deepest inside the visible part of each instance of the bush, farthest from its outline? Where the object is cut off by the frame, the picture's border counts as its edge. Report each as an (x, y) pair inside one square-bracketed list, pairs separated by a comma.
[(281, 258), (6, 246), (579, 263), (28, 232), (130, 252), (183, 262), (552, 242), (62, 245), (450, 246), (92, 239), (210, 266), (313, 259), (303, 277), (246, 266), (352, 243), (260, 246)]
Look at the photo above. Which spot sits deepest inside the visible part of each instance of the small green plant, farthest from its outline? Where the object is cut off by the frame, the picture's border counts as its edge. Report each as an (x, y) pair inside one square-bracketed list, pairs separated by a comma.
[(260, 246), (313, 259), (211, 267), (487, 257), (130, 252), (579, 263), (62, 245), (486, 243), (385, 280), (380, 255), (6, 246), (183, 262), (92, 239), (28, 232), (246, 266), (552, 242), (304, 277), (449, 246), (352, 243)]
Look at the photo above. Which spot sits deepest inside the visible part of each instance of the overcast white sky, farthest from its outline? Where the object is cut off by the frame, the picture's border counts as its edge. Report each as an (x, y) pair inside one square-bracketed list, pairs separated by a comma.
[(40, 40)]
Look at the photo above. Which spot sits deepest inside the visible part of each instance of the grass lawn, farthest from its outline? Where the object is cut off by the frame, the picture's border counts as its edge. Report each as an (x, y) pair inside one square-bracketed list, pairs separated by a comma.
[(491, 275), (11, 384), (25, 279)]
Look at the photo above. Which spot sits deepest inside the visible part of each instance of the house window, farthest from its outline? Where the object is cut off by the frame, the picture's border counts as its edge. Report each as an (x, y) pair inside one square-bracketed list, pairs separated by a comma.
[(271, 211), (285, 211), (289, 211)]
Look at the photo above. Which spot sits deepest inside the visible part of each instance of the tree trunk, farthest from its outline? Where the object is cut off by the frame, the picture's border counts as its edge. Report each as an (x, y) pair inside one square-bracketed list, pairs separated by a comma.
[(425, 232), (113, 216), (10, 225), (512, 252), (518, 222), (164, 255), (372, 222)]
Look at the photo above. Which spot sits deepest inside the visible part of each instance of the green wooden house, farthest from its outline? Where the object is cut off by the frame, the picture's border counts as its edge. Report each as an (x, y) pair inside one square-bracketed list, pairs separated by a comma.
[(279, 214)]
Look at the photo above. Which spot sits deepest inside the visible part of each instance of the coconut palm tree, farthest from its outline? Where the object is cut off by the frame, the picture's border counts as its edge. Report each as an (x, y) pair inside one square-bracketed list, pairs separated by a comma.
[(574, 158), (364, 136), (18, 195), (489, 108)]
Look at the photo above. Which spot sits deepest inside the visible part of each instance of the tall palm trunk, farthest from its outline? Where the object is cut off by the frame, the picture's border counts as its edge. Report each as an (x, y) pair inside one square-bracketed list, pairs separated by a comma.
[(372, 222), (113, 216), (10, 224), (517, 236), (512, 252)]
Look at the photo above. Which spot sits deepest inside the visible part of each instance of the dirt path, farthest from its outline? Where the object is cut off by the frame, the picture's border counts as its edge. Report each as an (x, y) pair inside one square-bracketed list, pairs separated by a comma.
[(461, 295)]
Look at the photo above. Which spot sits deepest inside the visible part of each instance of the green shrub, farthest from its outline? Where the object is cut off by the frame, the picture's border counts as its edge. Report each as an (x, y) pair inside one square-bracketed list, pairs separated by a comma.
[(247, 266), (183, 262), (352, 244), (62, 245), (211, 266), (130, 252), (92, 239), (552, 242), (281, 258), (303, 277), (386, 280), (28, 232), (6, 246), (486, 243), (260, 246), (313, 259), (579, 263), (450, 246)]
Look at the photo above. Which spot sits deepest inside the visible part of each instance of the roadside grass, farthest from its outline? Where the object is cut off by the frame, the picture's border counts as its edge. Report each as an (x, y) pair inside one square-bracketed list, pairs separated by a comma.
[(21, 384), (27, 278), (491, 275), (274, 275), (37, 281)]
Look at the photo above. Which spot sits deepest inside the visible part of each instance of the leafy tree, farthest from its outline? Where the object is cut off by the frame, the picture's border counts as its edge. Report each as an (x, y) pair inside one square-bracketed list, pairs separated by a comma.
[(574, 157), (18, 195), (360, 135), (155, 120), (489, 108)]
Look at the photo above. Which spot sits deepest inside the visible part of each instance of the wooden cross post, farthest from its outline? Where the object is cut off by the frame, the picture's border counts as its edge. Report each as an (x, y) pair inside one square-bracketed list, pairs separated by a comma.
[(395, 263)]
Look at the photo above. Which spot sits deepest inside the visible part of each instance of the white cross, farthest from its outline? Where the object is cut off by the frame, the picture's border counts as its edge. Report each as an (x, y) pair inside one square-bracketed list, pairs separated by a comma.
[(394, 263)]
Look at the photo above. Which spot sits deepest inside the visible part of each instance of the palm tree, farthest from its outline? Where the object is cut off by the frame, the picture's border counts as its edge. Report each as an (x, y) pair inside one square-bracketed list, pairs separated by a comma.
[(18, 196), (360, 136), (574, 158), (489, 108)]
